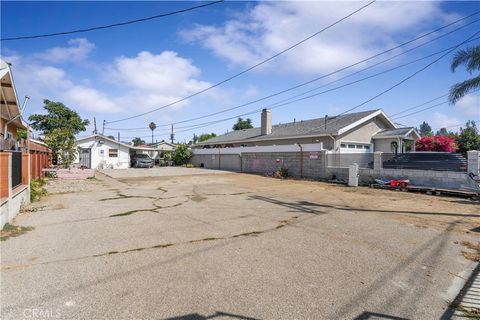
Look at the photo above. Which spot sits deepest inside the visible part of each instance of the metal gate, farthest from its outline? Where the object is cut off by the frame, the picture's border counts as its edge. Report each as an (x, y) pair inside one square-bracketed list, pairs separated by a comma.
[(16, 168), (85, 157)]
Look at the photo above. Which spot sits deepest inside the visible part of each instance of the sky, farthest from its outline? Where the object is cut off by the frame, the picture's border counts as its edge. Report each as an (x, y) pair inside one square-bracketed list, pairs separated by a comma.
[(116, 73)]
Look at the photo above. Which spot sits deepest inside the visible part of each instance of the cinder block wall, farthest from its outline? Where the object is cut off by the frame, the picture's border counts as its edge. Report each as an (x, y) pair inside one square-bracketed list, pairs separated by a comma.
[(320, 168), (266, 162), (426, 178)]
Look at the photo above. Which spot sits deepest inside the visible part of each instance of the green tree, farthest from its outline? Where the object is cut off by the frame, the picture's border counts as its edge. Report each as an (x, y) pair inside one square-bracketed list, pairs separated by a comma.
[(152, 127), (470, 58), (425, 130), (111, 137), (469, 139), (137, 141), (182, 154), (243, 124), (194, 139), (206, 136), (59, 126), (21, 134), (442, 132)]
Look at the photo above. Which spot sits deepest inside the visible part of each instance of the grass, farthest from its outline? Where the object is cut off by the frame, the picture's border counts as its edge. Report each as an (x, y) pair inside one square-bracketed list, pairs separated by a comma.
[(10, 230)]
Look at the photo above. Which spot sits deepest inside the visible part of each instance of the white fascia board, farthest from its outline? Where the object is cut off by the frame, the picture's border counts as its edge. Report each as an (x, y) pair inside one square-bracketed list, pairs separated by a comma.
[(267, 138), (365, 119)]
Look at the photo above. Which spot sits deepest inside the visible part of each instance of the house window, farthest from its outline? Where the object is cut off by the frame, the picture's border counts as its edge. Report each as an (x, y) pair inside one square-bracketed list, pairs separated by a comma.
[(101, 152), (366, 147), (112, 153), (351, 146), (343, 145)]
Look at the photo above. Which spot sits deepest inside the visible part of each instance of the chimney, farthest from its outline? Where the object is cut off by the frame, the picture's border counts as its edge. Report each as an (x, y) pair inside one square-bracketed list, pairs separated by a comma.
[(266, 128)]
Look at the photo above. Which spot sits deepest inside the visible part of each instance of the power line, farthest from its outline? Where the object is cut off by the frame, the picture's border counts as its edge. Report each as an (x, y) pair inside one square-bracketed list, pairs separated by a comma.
[(424, 109), (418, 106), (111, 25), (427, 108), (337, 71), (248, 69), (408, 77), (287, 102)]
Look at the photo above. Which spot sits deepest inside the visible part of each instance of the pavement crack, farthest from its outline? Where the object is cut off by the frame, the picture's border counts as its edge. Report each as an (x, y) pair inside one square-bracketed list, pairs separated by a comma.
[(280, 224)]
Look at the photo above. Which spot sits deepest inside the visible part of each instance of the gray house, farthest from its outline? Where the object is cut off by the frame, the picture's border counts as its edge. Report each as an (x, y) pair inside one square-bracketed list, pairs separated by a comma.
[(358, 132)]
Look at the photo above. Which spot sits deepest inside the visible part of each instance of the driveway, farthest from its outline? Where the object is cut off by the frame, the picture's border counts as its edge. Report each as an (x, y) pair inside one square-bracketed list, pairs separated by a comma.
[(179, 243)]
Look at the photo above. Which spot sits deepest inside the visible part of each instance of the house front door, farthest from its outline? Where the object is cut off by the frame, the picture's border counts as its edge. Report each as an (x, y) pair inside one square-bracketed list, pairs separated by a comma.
[(85, 157)]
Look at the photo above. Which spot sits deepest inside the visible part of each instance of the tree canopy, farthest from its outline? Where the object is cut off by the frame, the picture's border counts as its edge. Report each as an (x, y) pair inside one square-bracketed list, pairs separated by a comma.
[(206, 136), (58, 116), (425, 130), (137, 141), (469, 139), (243, 124), (59, 127)]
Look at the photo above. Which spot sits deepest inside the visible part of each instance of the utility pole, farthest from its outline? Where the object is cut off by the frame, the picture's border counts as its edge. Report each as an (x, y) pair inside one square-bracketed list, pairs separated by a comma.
[(103, 127), (95, 125), (172, 135)]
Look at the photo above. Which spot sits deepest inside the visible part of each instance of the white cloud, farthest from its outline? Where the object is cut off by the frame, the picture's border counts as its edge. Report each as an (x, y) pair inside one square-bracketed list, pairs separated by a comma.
[(156, 79), (127, 86), (469, 105), (440, 120), (78, 50), (269, 27)]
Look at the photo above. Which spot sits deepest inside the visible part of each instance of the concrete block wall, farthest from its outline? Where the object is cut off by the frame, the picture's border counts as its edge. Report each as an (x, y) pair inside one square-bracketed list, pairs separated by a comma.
[(231, 162), (316, 166), (263, 162), (426, 178)]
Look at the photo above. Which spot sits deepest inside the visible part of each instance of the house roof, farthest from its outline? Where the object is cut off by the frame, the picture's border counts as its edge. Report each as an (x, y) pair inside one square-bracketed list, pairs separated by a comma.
[(100, 136), (103, 138), (9, 96), (315, 127), (395, 133)]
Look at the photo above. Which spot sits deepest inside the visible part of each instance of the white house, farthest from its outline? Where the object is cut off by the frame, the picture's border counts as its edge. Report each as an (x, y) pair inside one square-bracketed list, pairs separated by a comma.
[(100, 152)]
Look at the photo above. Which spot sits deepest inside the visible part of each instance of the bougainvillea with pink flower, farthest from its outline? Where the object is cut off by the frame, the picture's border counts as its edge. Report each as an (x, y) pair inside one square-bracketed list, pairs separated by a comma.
[(436, 143)]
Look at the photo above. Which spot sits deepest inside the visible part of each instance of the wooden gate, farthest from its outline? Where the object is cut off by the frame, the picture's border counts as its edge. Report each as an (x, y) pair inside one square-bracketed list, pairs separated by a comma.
[(85, 157)]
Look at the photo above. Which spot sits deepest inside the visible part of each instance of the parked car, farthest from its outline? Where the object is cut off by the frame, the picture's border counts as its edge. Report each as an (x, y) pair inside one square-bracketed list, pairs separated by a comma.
[(442, 161), (141, 161)]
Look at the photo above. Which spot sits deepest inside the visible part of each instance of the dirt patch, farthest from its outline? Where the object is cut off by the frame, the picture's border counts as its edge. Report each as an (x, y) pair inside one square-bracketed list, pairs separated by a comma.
[(473, 255), (10, 230)]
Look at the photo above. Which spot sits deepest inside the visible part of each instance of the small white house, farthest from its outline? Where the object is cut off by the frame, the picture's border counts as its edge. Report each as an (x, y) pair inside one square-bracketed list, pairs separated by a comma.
[(100, 152)]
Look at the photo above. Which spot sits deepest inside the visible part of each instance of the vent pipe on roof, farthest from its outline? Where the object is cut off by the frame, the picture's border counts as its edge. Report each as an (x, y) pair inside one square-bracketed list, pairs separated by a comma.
[(266, 125)]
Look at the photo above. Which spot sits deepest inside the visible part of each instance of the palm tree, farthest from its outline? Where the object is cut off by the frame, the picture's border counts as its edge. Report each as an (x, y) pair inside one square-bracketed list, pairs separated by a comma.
[(470, 57), (152, 127)]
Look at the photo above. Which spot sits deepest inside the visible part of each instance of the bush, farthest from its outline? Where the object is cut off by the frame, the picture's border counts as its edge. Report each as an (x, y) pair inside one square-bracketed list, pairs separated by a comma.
[(436, 143), (36, 189), (182, 154)]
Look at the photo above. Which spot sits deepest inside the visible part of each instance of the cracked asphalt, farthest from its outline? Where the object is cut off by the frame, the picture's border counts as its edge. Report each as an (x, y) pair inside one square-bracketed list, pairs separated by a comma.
[(179, 243)]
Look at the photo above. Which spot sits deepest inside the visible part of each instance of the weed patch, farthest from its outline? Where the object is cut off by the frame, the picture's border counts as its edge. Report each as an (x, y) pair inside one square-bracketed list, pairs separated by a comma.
[(37, 189), (10, 230)]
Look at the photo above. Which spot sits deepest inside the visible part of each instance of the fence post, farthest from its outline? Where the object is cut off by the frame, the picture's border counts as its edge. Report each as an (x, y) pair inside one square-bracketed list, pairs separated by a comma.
[(324, 163), (10, 182), (353, 174), (377, 160), (473, 162)]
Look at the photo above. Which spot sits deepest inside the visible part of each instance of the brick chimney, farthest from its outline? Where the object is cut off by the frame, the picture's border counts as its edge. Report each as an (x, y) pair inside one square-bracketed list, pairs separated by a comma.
[(266, 128)]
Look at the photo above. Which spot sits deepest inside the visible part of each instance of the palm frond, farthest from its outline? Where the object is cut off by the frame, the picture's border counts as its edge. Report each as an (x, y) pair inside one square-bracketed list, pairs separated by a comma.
[(463, 88), (470, 57)]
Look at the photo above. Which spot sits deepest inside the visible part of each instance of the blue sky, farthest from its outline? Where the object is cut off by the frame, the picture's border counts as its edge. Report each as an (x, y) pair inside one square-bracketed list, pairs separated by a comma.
[(119, 72)]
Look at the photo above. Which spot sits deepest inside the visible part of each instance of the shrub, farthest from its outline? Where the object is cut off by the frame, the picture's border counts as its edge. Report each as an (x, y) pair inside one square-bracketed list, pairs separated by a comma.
[(182, 154), (436, 143), (36, 189)]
